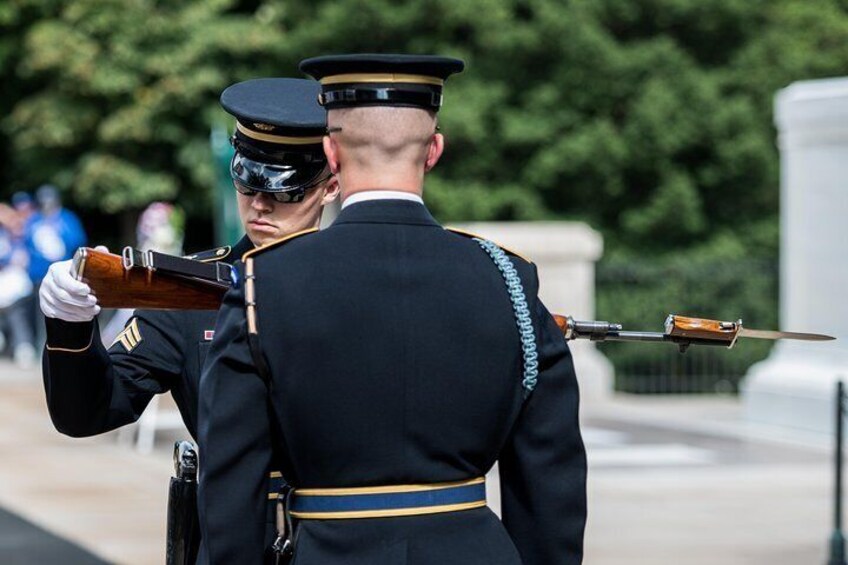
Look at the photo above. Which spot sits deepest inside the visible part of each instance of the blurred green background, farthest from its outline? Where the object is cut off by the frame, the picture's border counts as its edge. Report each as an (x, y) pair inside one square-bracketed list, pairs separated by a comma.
[(649, 119)]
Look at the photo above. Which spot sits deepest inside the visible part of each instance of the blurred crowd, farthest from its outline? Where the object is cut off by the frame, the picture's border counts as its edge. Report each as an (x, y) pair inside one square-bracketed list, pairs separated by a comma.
[(35, 231)]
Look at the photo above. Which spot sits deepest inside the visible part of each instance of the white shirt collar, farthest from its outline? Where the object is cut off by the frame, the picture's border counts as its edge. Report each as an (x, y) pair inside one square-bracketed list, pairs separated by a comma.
[(380, 195)]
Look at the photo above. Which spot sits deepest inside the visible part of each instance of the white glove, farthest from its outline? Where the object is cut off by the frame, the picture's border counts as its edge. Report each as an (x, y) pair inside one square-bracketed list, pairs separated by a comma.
[(63, 297)]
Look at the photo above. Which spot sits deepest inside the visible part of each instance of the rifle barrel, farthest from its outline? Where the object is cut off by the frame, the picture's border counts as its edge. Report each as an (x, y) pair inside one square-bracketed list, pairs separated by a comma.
[(634, 336)]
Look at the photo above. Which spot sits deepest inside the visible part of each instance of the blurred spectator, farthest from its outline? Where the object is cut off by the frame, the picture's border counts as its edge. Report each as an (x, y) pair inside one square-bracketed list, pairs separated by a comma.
[(160, 228), (24, 205), (53, 233), (15, 287)]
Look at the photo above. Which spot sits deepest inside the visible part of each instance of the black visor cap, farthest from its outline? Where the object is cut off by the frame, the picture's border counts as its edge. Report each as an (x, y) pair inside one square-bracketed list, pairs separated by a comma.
[(264, 176)]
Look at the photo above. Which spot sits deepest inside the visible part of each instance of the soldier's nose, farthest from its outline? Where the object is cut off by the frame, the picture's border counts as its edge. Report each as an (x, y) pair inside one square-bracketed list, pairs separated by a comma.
[(262, 201)]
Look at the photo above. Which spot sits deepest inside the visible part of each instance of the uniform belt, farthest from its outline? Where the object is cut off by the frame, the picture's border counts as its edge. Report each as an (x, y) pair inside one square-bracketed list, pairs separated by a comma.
[(386, 501)]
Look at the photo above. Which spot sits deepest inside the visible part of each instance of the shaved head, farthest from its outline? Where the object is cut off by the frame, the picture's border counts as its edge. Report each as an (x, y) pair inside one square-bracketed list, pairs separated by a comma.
[(382, 147), (383, 135)]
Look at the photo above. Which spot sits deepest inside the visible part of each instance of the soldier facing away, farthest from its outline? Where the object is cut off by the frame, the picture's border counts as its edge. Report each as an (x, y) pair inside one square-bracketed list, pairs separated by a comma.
[(382, 358), (283, 183)]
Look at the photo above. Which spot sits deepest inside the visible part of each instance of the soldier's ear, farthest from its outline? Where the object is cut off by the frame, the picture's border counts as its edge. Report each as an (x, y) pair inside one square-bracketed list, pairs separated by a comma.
[(331, 150), (331, 190), (434, 151)]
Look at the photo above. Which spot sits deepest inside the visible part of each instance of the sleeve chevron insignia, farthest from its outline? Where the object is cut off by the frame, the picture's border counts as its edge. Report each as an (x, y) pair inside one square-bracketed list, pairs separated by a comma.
[(130, 337)]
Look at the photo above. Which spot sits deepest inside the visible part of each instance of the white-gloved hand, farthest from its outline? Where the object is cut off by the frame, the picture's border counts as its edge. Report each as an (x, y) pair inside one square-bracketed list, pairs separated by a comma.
[(62, 296)]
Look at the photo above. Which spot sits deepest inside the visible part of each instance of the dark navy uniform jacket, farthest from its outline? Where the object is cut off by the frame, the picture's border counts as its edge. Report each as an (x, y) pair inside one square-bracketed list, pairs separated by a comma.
[(91, 390), (393, 358)]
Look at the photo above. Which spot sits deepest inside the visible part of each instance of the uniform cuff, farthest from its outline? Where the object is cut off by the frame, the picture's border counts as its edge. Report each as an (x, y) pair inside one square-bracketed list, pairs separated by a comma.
[(70, 337)]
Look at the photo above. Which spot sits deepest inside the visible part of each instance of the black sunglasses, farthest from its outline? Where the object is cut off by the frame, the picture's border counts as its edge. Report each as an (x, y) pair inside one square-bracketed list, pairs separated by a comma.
[(286, 183), (287, 197)]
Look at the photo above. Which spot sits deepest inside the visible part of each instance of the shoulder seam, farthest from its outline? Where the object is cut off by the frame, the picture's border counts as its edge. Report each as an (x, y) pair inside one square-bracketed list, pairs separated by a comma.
[(276, 242), (471, 234)]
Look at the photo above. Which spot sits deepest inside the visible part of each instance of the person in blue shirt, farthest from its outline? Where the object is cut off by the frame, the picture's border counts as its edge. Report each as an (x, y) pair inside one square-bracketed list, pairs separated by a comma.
[(52, 234)]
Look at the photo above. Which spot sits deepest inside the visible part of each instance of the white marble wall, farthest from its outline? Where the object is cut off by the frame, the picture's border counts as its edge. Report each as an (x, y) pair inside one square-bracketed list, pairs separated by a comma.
[(794, 387), (565, 254)]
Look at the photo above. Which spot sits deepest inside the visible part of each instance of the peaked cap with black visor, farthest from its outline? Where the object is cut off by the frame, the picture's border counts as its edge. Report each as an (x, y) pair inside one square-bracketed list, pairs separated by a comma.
[(279, 126), (372, 79)]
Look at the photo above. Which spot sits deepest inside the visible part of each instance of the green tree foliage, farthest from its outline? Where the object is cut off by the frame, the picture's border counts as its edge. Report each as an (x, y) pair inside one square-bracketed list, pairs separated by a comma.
[(649, 119), (124, 92), (16, 18)]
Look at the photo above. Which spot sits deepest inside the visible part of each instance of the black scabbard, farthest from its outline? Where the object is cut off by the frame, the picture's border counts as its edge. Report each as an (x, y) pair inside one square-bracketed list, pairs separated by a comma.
[(183, 524)]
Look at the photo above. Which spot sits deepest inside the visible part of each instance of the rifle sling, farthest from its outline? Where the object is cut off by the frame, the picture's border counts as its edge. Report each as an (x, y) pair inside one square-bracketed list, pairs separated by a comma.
[(218, 272)]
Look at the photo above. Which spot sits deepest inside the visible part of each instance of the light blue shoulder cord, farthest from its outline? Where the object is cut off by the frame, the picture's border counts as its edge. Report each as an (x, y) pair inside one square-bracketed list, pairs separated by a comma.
[(522, 313)]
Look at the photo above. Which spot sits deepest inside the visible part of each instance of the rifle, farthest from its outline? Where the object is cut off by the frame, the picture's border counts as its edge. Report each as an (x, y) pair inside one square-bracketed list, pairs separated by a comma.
[(147, 279), (680, 330), (157, 281)]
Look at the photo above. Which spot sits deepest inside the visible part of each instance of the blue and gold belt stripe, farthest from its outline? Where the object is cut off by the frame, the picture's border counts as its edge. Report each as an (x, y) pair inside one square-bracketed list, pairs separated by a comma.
[(387, 501)]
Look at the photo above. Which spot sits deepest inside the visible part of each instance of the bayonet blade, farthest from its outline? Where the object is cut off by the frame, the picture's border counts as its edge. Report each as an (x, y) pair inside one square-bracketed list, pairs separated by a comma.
[(769, 334)]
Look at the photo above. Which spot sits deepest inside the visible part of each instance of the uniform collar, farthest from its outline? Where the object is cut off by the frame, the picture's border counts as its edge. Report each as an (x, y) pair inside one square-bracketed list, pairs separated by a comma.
[(386, 212), (369, 195)]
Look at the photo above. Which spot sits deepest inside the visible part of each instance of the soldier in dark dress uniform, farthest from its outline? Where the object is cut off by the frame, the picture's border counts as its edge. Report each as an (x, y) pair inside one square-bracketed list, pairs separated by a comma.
[(283, 183), (391, 362), (282, 180)]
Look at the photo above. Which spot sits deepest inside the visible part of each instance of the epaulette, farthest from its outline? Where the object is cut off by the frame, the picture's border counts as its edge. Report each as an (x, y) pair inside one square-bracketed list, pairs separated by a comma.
[(276, 242), (216, 254), (474, 235)]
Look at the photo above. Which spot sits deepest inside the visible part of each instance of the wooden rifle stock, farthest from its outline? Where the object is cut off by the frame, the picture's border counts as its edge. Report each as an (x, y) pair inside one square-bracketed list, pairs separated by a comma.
[(562, 323), (118, 287), (700, 329)]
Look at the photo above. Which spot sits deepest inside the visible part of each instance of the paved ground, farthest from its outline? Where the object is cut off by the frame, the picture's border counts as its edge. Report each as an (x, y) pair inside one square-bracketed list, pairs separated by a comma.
[(89, 491), (679, 480), (672, 481), (22, 542)]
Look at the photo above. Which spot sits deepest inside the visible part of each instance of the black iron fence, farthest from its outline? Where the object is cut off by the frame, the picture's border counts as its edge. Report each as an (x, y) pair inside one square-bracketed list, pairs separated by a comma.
[(667, 371)]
